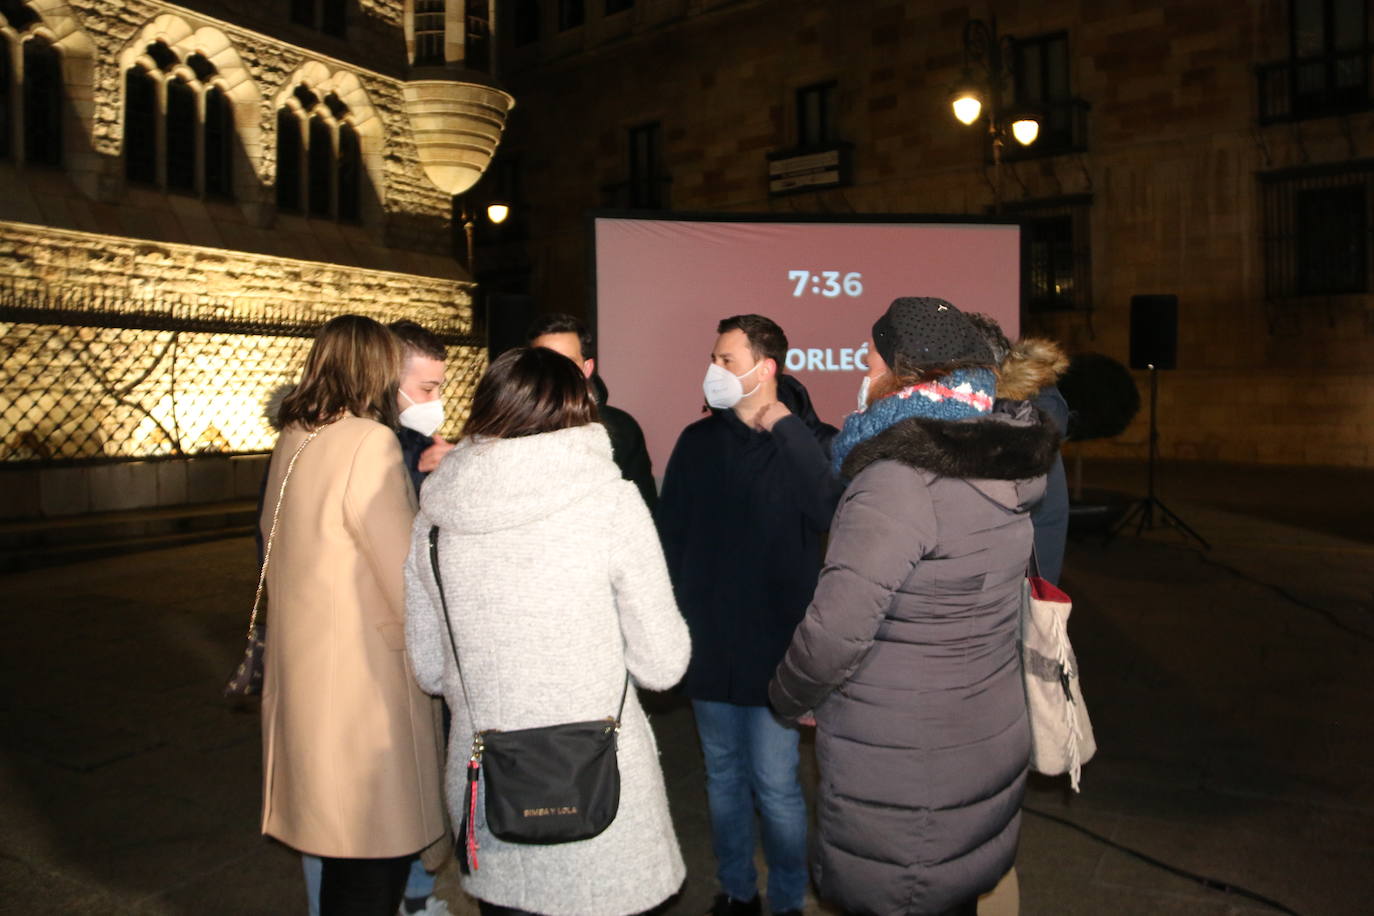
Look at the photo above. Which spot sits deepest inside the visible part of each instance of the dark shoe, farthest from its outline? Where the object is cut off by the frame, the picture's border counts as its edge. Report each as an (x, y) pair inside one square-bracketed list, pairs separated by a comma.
[(724, 906)]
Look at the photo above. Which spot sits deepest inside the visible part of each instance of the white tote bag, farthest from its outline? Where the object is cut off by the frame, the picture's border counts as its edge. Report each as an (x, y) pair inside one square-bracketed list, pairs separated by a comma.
[(1061, 734)]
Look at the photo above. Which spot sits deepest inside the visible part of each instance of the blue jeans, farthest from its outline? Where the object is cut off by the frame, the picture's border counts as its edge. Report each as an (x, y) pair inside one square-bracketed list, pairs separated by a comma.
[(751, 760)]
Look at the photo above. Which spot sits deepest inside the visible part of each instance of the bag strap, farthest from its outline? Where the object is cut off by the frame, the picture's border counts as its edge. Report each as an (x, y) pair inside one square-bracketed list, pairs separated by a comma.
[(453, 644), (276, 514)]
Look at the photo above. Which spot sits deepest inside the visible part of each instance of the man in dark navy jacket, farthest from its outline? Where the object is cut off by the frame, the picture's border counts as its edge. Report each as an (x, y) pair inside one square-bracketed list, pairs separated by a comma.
[(747, 498)]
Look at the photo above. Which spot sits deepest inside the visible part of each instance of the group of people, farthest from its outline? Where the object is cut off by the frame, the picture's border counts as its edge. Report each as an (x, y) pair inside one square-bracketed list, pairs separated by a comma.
[(564, 569)]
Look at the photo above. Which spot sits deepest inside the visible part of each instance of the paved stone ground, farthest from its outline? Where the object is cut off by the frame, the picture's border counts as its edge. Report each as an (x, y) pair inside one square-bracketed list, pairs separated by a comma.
[(1231, 694)]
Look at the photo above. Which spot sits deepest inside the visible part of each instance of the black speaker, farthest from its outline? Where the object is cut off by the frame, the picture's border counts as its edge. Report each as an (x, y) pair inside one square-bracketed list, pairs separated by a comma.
[(1154, 332)]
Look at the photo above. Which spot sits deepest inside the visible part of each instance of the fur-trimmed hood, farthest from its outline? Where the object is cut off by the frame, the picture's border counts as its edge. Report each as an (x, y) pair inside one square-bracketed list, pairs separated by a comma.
[(1016, 442), (1032, 365)]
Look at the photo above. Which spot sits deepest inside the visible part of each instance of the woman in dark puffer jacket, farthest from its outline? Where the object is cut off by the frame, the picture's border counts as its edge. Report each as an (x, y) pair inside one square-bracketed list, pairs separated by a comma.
[(908, 652)]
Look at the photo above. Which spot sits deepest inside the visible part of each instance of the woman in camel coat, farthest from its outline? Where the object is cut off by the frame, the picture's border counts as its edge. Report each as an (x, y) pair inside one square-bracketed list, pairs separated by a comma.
[(350, 756)]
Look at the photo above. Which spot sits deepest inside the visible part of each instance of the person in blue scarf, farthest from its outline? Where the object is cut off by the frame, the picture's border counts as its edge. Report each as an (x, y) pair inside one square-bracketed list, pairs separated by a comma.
[(907, 656)]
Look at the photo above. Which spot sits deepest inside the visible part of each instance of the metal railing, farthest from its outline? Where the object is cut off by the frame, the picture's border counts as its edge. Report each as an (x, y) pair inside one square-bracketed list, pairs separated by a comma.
[(1312, 87)]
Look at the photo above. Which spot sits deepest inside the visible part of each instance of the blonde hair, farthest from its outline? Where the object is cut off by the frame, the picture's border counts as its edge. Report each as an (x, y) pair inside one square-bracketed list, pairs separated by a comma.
[(353, 367)]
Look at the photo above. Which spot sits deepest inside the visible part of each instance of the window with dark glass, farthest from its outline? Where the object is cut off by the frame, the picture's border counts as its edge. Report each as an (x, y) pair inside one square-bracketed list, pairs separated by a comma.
[(181, 136), (334, 17), (477, 37), (571, 14), (320, 155), (618, 6), (1041, 69), (140, 126), (1049, 262), (42, 102), (289, 150), (219, 143), (1329, 51), (350, 173), (6, 86), (1331, 226), (429, 32), (526, 25), (1317, 230), (815, 115), (646, 178), (1056, 263)]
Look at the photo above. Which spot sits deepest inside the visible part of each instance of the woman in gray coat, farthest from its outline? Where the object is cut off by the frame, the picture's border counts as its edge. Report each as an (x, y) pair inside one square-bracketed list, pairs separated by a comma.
[(907, 656), (556, 587)]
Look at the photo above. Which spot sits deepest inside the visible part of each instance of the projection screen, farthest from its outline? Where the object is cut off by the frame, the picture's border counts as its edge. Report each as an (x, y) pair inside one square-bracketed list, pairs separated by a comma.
[(661, 285)]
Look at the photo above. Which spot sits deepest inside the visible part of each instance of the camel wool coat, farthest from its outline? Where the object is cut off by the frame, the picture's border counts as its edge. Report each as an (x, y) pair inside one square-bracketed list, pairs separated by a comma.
[(556, 586), (351, 760)]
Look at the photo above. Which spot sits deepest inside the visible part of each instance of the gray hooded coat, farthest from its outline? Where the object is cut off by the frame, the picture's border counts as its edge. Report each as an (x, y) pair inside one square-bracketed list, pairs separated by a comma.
[(556, 586), (908, 656)]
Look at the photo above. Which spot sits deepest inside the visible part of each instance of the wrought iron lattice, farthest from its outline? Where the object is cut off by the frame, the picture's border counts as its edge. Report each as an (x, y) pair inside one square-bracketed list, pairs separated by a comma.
[(164, 378)]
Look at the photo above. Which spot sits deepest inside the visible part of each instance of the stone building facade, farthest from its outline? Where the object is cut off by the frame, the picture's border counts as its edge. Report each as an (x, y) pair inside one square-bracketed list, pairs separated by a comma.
[(187, 191), (1222, 152)]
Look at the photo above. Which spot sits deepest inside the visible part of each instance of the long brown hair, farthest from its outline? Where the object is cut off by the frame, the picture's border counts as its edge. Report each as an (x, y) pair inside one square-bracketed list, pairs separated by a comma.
[(903, 375), (353, 367), (527, 391)]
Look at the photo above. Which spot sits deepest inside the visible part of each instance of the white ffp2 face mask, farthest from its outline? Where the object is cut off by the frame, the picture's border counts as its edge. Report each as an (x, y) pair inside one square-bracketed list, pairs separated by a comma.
[(723, 388), (424, 417)]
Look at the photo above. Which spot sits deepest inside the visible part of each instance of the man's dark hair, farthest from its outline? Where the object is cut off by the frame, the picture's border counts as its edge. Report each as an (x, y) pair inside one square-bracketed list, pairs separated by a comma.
[(417, 339), (766, 339), (562, 323)]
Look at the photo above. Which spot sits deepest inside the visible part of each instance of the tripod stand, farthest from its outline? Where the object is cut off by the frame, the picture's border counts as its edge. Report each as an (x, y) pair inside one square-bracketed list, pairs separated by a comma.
[(1143, 511)]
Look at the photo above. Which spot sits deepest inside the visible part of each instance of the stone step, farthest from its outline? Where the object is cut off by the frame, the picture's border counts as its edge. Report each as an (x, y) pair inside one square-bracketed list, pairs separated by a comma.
[(32, 543)]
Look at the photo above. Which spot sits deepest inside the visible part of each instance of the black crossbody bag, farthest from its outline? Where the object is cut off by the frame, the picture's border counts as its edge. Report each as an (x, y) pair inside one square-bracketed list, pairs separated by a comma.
[(553, 784)]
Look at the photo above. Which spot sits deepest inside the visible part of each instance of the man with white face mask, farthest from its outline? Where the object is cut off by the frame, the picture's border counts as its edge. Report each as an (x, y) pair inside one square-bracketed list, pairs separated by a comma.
[(420, 397), (746, 499)]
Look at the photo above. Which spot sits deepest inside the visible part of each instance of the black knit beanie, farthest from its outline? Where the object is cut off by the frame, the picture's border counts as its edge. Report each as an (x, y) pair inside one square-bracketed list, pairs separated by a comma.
[(929, 332)]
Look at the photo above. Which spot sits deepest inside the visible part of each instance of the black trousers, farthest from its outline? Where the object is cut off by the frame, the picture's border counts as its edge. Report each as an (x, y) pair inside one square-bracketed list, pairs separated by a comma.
[(363, 887)]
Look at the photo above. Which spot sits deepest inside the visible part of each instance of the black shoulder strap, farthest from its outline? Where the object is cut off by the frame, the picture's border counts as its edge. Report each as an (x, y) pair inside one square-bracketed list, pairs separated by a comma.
[(453, 645)]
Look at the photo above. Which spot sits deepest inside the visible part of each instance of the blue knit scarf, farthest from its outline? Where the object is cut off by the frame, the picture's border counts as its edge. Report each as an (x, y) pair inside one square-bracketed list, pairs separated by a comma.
[(960, 395)]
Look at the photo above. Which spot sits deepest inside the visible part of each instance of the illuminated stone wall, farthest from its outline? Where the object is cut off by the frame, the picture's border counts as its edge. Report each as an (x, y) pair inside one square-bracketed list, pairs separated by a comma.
[(120, 349)]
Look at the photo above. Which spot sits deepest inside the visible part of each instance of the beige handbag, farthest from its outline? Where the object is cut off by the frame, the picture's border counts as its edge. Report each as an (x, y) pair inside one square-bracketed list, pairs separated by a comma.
[(1061, 733)]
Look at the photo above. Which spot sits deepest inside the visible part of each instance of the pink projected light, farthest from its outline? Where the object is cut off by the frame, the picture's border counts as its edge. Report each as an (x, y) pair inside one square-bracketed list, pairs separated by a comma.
[(662, 285)]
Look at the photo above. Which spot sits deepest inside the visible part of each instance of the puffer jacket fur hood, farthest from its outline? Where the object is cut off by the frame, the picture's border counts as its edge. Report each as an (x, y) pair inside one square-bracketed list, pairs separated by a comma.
[(1034, 363)]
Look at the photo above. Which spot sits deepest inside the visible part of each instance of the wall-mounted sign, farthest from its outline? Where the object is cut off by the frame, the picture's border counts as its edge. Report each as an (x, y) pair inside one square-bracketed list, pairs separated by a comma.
[(790, 172)]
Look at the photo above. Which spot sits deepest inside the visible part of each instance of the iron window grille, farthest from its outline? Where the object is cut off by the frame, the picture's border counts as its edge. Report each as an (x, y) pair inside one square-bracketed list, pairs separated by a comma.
[(1056, 254), (1317, 227)]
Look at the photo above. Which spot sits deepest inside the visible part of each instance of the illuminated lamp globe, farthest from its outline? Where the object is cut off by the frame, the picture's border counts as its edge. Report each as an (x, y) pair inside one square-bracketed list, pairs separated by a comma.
[(1025, 129), (497, 213), (967, 106)]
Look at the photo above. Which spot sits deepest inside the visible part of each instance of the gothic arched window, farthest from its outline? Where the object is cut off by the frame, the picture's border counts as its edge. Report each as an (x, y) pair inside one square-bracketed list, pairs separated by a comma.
[(178, 123), (319, 141), (42, 102)]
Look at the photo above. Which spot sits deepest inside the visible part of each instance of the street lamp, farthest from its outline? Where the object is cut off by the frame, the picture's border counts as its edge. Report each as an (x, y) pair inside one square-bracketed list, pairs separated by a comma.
[(496, 213), (971, 95)]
